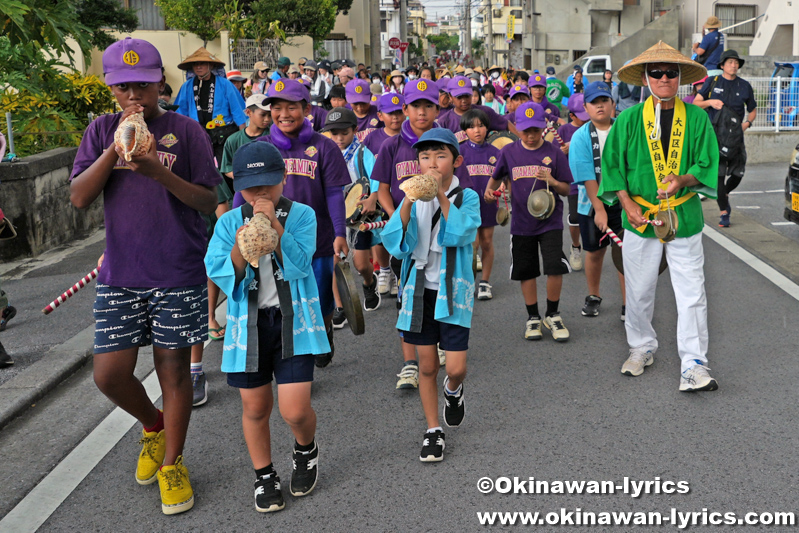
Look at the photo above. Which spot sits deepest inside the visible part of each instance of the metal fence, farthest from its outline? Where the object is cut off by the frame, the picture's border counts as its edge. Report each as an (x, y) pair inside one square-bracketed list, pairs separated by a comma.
[(246, 53), (777, 103), (338, 48)]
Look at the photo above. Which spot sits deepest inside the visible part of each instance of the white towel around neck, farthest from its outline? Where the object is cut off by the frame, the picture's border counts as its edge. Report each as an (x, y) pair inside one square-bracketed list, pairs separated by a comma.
[(428, 240)]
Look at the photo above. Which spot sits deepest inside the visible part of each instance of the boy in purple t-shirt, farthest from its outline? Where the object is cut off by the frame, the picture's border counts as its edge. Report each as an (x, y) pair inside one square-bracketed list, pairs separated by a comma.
[(460, 88), (538, 94), (578, 117), (316, 174), (531, 163), (359, 96), (480, 159), (152, 284)]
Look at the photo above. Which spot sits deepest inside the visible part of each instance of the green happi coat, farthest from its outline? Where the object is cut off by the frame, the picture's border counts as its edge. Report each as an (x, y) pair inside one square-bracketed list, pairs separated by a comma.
[(627, 166)]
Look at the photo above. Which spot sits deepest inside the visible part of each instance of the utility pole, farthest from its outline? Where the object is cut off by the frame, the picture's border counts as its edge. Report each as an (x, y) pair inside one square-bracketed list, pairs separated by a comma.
[(375, 47), (467, 43), (404, 29), (490, 36)]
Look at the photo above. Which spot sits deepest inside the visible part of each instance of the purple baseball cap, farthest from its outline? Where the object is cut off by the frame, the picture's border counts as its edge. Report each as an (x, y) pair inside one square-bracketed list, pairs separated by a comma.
[(537, 81), (421, 90), (519, 88), (577, 107), (358, 92), (390, 102), (530, 115), (459, 86), (132, 60), (442, 85), (286, 89)]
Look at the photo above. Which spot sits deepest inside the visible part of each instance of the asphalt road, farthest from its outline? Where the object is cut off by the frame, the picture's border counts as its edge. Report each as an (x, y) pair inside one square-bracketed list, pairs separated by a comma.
[(533, 409)]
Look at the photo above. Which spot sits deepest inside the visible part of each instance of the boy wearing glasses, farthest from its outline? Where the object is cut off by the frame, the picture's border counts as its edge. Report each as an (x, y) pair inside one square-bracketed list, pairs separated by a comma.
[(659, 154)]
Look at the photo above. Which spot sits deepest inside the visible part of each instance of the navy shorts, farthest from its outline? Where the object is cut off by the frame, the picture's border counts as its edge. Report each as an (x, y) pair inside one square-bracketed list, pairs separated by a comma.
[(590, 234), (524, 255), (449, 337), (323, 272), (166, 318), (361, 240), (297, 369)]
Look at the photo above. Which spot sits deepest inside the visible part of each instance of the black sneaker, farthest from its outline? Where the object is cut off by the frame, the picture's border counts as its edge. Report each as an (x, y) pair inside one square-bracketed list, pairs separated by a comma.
[(371, 298), (623, 313), (453, 406), (306, 470), (432, 447), (5, 359), (322, 360), (591, 307), (268, 497), (339, 318)]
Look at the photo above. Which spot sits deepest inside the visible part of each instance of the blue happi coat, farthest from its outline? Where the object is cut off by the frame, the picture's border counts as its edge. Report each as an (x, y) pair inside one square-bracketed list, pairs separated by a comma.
[(228, 102), (456, 235), (297, 245)]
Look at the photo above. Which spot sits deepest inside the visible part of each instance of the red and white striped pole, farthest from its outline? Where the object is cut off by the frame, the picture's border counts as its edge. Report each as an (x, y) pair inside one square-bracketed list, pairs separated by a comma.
[(71, 291)]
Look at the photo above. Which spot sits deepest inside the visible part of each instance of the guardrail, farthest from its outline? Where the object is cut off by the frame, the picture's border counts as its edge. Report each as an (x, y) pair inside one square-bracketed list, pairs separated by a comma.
[(777, 103)]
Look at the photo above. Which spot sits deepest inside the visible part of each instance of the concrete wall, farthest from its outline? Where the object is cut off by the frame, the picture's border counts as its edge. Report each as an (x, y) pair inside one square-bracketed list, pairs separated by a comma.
[(769, 147), (355, 25), (35, 196)]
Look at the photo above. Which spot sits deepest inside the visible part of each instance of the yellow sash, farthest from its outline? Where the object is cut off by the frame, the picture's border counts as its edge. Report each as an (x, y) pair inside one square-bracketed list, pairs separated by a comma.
[(660, 165)]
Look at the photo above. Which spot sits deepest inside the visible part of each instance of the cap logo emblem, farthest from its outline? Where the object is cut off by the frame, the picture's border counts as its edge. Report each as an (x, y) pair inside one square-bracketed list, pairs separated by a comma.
[(130, 58), (334, 116), (529, 113), (395, 100), (461, 83), (422, 86), (517, 88), (358, 89), (279, 86), (374, 98), (538, 78), (256, 164)]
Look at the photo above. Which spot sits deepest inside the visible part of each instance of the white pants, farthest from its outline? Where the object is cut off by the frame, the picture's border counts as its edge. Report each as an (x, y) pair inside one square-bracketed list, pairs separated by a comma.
[(686, 262)]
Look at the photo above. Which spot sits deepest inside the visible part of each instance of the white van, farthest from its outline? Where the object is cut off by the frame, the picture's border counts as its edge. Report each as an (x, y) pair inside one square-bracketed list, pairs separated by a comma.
[(594, 67)]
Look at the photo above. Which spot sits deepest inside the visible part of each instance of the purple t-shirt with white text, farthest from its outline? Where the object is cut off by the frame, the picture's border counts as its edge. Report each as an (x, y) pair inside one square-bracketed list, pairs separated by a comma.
[(153, 240), (375, 140), (452, 121), (317, 117), (368, 124), (566, 131), (311, 167), (520, 165), (480, 161)]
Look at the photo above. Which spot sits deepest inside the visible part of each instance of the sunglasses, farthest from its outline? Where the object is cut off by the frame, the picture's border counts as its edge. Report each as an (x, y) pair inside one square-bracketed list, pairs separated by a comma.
[(265, 70), (657, 74)]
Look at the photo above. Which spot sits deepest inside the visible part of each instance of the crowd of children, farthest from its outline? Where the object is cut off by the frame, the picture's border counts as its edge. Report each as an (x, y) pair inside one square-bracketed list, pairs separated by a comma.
[(281, 313)]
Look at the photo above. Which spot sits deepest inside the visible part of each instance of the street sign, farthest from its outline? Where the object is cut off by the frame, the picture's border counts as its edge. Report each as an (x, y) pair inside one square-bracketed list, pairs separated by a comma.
[(403, 47), (394, 43), (511, 27)]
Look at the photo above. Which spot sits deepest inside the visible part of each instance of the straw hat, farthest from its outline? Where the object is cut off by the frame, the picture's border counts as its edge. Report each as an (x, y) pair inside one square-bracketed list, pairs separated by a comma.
[(459, 69), (479, 69), (661, 53), (396, 74), (494, 67), (712, 22), (201, 55)]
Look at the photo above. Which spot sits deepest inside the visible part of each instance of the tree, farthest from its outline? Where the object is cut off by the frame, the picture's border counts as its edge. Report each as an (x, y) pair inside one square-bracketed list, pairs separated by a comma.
[(42, 24), (315, 18), (444, 42), (99, 15), (194, 16), (477, 48)]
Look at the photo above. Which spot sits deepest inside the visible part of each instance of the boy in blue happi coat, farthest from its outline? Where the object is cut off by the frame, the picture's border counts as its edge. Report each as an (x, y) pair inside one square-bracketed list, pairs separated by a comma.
[(434, 241), (274, 321)]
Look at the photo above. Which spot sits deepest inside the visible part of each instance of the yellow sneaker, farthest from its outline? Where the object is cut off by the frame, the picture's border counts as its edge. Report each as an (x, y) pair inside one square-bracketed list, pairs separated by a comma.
[(176, 494), (153, 448)]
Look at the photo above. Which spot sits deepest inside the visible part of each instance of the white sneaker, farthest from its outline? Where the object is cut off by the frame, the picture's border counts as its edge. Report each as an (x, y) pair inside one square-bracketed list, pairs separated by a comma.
[(697, 378), (408, 376), (637, 361), (576, 258), (479, 264), (392, 284), (383, 282), (442, 356), (532, 329), (555, 325), (484, 291)]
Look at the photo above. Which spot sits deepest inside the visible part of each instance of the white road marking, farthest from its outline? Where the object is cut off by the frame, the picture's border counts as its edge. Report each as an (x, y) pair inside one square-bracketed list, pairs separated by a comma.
[(747, 207), (746, 192), (785, 223), (768, 272), (50, 493), (776, 190)]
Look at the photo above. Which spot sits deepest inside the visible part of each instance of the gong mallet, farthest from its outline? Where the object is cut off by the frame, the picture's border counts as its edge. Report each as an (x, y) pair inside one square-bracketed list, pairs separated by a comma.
[(71, 291), (368, 226)]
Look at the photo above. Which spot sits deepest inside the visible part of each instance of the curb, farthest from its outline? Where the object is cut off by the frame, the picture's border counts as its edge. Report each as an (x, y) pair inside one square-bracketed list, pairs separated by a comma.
[(40, 378)]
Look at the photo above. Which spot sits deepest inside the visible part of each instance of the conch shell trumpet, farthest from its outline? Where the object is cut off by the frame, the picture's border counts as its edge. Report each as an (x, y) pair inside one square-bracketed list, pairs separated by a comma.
[(257, 239), (132, 136), (422, 187)]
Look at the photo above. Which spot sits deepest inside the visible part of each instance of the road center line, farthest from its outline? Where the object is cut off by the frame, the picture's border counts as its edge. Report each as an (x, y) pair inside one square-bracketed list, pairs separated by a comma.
[(768, 272), (50, 493)]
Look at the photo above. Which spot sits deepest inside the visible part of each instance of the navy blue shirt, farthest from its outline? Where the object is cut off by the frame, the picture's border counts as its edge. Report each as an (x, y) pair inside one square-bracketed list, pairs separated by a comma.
[(737, 94), (707, 43)]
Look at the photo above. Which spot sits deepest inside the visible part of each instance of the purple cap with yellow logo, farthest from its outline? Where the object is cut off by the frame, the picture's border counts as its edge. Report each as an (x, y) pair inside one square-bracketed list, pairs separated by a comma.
[(132, 60), (390, 102), (537, 81), (358, 92), (519, 88), (287, 89), (530, 115), (459, 86), (421, 90)]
